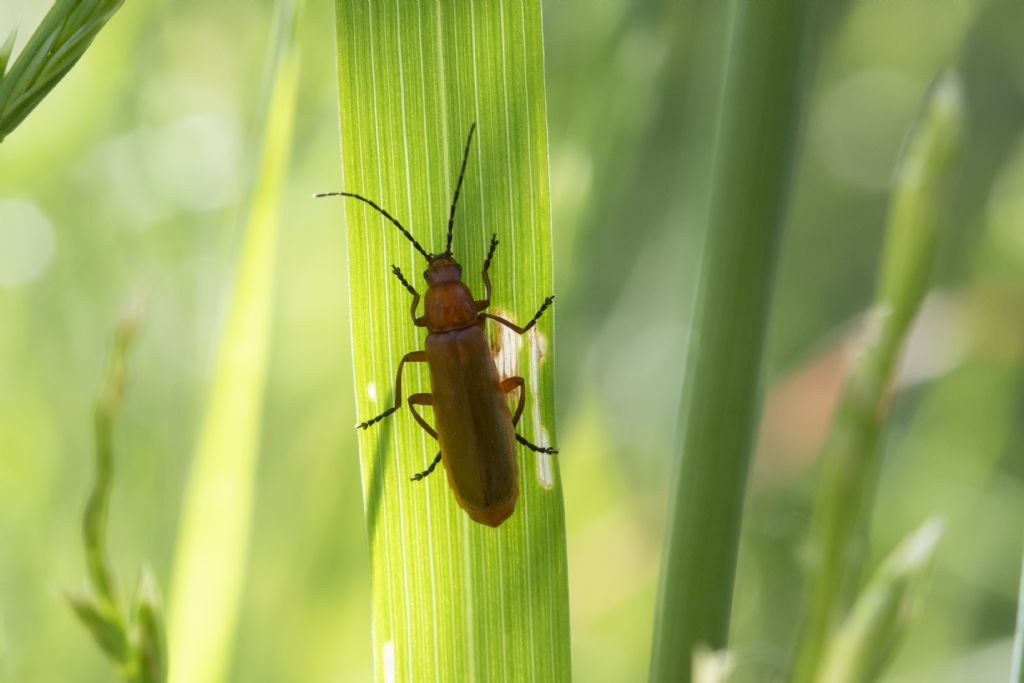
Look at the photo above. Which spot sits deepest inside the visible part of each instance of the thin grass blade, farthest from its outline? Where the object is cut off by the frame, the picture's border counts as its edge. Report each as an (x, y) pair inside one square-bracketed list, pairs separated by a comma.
[(754, 158), (209, 567)]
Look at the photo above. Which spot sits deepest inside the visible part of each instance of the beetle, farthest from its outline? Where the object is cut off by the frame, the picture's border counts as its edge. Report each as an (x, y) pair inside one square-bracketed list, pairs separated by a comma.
[(473, 424)]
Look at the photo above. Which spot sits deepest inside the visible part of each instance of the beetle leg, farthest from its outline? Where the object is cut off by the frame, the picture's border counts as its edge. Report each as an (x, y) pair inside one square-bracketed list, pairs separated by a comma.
[(510, 384), (422, 400), (420, 322), (484, 303), (535, 448), (533, 321), (411, 357), (427, 471)]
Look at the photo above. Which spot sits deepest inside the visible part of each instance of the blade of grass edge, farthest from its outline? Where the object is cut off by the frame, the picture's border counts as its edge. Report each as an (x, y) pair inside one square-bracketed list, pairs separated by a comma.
[(212, 546), (770, 45), (451, 599), (1017, 670)]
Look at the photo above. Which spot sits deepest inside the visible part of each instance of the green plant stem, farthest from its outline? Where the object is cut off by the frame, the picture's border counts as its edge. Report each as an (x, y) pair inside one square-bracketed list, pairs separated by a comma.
[(850, 455), (94, 522), (770, 45), (133, 641)]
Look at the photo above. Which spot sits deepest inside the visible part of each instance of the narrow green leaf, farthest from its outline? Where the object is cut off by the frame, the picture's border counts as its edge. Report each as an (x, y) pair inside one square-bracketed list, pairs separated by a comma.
[(104, 624), (35, 49), (770, 46), (883, 613), (213, 542), (150, 641), (453, 600), (850, 456), (57, 44), (5, 52)]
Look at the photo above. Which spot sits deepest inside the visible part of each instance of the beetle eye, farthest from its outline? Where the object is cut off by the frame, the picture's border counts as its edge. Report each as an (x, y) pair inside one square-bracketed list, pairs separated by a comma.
[(459, 269)]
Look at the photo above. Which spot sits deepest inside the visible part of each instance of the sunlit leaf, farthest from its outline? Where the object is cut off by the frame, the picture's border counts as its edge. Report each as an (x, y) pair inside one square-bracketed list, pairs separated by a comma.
[(452, 599)]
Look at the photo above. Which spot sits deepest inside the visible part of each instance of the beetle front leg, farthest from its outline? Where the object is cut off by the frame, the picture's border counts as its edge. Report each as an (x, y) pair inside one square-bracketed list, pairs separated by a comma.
[(533, 321), (484, 303), (411, 357), (508, 385), (419, 322)]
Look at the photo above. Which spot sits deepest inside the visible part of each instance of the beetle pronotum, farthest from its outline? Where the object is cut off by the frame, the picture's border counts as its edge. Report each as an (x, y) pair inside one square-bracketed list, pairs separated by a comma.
[(474, 426)]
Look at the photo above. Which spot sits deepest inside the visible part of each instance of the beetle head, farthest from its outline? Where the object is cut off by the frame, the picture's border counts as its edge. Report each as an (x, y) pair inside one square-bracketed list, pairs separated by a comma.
[(442, 268)]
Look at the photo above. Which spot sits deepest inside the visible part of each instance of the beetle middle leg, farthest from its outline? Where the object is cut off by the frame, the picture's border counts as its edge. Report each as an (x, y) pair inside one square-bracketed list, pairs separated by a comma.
[(508, 385), (411, 357), (526, 328), (423, 400)]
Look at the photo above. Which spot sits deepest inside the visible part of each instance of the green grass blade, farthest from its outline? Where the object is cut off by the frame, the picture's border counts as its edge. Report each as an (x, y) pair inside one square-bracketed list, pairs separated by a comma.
[(754, 160), (883, 612), (1017, 673), (213, 542), (850, 455), (55, 46), (452, 600), (6, 49)]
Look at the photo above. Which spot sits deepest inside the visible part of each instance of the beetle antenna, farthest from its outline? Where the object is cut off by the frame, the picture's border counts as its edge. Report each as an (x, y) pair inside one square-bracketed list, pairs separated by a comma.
[(385, 214), (458, 188)]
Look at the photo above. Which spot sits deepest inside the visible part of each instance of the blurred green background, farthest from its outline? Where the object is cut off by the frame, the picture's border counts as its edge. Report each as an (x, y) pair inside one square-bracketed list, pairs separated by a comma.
[(129, 182)]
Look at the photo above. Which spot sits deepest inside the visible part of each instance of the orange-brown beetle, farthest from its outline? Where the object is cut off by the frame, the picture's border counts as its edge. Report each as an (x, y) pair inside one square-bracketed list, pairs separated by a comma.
[(474, 426)]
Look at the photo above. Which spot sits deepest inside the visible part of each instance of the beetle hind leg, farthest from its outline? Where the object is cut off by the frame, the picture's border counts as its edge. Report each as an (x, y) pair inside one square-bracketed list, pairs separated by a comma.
[(411, 357), (508, 385), (424, 473)]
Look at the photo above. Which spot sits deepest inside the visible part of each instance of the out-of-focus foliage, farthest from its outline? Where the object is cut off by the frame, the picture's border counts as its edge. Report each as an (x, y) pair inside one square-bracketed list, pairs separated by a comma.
[(129, 176), (848, 481), (216, 518), (131, 635), (60, 40)]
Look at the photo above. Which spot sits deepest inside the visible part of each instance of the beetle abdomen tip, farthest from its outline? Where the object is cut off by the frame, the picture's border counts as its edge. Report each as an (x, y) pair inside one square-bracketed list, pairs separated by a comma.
[(495, 514)]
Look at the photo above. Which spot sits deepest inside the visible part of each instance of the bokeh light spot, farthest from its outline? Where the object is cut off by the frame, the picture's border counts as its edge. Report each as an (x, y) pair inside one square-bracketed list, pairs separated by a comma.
[(26, 242)]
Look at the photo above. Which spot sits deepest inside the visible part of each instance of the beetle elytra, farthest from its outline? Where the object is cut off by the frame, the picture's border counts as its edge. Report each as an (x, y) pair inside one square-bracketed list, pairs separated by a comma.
[(473, 423)]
